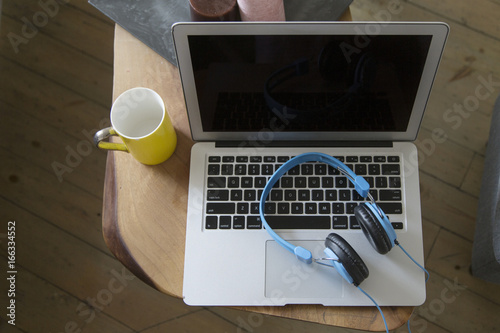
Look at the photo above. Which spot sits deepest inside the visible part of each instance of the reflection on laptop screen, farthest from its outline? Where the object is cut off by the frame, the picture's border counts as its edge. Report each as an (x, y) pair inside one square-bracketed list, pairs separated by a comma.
[(307, 83)]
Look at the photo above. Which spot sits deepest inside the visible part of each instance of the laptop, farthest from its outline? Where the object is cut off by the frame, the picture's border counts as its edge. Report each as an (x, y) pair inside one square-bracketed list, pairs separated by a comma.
[(260, 93)]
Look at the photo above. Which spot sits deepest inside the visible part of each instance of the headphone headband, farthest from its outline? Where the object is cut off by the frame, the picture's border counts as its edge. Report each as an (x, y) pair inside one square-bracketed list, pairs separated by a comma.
[(360, 185)]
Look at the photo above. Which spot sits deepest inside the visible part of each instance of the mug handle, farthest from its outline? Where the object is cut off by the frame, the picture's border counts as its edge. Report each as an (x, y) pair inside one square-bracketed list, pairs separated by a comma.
[(103, 135)]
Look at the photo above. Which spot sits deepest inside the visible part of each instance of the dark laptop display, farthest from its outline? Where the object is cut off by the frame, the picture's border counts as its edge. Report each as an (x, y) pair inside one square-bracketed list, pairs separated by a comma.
[(307, 83)]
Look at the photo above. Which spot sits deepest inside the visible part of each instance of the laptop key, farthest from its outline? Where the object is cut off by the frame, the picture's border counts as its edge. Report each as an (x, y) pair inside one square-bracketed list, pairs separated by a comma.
[(390, 169), (307, 169), (246, 182), (353, 223), (290, 195), (391, 207), (283, 208), (242, 208), (397, 225), (254, 208), (254, 222), (260, 182), (394, 182), (267, 169), (311, 208), (314, 182), (339, 222), (381, 182), (298, 222), (240, 169), (338, 208), (350, 207), (217, 195), (236, 195), (216, 182), (304, 195), (225, 222), (254, 169), (326, 182), (227, 169), (211, 222), (390, 195), (239, 222), (233, 182), (221, 208), (317, 195), (286, 182), (341, 182), (360, 169), (213, 169), (323, 208), (297, 208), (300, 182), (270, 208)]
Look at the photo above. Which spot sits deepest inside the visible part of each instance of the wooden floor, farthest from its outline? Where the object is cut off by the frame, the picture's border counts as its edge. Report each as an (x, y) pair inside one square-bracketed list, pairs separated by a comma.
[(55, 91)]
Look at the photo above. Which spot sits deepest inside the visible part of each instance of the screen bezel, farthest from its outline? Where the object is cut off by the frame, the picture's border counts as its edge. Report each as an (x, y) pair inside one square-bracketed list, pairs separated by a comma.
[(182, 31)]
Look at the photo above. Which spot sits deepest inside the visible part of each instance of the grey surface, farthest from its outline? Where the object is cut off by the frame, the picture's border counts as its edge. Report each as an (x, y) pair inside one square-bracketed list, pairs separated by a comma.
[(486, 247), (150, 20)]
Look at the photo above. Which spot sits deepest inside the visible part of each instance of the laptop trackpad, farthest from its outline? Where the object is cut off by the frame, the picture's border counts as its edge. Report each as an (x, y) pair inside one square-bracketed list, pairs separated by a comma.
[(288, 277)]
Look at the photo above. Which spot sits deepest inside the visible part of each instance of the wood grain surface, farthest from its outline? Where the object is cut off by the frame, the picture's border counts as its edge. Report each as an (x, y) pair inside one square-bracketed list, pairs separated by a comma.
[(145, 207)]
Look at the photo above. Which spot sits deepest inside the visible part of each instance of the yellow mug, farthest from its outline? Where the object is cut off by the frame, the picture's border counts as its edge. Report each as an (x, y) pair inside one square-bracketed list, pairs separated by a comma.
[(139, 118)]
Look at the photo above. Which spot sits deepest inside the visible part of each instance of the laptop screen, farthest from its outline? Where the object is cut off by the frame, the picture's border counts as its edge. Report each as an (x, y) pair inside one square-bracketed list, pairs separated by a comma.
[(307, 83)]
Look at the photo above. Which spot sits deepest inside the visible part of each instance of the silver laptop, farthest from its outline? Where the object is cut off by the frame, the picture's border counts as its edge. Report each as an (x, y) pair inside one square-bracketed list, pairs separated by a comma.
[(258, 94)]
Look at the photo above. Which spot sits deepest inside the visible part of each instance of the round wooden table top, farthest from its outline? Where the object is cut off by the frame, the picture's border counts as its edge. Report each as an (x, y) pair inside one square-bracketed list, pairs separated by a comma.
[(145, 207)]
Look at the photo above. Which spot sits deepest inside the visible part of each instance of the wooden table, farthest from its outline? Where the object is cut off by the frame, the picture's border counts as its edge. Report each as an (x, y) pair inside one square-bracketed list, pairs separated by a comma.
[(144, 213)]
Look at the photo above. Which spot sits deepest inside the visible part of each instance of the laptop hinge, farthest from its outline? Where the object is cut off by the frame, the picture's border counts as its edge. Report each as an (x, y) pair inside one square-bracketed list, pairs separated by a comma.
[(291, 144)]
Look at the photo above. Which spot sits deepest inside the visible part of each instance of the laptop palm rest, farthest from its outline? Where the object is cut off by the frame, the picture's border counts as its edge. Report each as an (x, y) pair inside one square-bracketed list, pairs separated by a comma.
[(288, 278)]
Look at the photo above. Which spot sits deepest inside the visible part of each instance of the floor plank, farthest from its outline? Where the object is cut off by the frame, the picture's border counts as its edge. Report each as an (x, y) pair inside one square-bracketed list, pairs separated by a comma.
[(62, 64), (447, 206), (476, 16), (53, 104), (43, 307), (88, 34), (449, 304), (63, 204), (451, 257), (103, 282), (442, 158), (199, 321), (61, 155)]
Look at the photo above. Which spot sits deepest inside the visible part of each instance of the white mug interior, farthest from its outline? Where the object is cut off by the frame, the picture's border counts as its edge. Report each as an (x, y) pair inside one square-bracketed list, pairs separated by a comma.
[(137, 112)]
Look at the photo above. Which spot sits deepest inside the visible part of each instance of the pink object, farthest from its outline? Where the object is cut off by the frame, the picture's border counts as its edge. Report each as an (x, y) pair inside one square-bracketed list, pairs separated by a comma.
[(214, 10), (262, 10)]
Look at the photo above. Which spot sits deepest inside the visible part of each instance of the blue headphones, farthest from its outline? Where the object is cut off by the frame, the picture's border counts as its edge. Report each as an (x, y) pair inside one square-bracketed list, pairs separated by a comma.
[(373, 221)]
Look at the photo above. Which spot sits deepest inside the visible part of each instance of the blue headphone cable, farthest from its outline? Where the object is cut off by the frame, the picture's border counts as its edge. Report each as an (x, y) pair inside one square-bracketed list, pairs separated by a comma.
[(374, 302)]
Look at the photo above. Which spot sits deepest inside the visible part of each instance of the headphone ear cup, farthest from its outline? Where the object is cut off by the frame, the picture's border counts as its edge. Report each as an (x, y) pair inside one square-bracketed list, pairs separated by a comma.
[(372, 228), (348, 257)]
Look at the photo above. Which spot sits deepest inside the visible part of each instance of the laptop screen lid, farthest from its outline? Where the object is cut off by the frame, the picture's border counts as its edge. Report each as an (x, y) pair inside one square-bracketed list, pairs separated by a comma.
[(307, 81)]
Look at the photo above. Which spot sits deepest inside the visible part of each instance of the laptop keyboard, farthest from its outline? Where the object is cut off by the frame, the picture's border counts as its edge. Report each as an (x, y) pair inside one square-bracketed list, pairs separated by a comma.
[(309, 196)]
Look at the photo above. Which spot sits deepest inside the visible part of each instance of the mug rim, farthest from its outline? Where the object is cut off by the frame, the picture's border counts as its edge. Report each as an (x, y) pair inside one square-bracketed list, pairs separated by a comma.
[(149, 133)]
